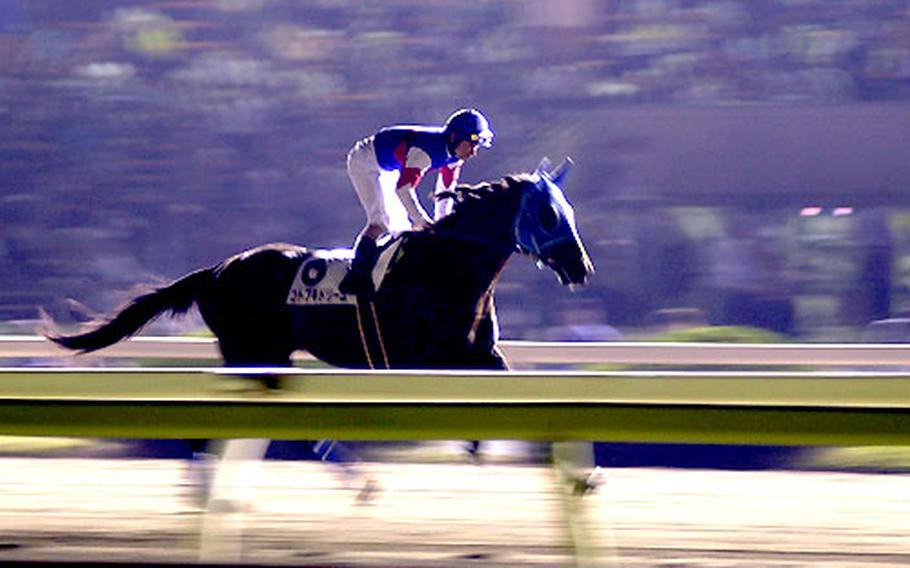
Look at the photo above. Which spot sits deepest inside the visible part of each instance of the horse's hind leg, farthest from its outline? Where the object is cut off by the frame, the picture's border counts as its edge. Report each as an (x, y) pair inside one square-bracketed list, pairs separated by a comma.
[(349, 466), (250, 354), (344, 460), (218, 469), (235, 470)]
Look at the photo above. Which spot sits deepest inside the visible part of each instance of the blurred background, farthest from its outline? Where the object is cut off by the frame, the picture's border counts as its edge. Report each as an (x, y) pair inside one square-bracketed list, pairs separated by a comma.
[(742, 174), (738, 163)]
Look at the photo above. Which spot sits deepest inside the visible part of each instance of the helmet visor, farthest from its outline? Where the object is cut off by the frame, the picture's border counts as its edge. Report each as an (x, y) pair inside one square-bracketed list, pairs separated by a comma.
[(483, 138)]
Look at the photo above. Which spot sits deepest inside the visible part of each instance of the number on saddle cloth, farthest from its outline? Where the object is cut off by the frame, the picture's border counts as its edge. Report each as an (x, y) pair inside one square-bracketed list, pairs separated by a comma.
[(317, 279)]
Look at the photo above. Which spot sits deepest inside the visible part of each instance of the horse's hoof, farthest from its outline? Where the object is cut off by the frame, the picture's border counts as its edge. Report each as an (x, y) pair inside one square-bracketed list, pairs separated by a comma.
[(582, 486), (227, 506), (473, 453), (367, 493)]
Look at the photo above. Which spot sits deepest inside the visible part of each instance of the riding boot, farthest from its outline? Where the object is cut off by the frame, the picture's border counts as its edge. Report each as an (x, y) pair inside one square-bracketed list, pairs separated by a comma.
[(359, 279)]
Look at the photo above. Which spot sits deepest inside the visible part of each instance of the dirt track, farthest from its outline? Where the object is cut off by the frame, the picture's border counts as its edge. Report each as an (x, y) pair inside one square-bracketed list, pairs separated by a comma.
[(453, 515)]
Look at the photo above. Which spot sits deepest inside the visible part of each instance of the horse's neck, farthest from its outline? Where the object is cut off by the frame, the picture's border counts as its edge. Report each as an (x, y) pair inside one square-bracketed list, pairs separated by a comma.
[(490, 227), (471, 245), (468, 261)]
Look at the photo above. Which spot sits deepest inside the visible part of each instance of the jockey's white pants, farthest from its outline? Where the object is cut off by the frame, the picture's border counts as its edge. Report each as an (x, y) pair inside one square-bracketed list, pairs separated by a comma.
[(375, 188)]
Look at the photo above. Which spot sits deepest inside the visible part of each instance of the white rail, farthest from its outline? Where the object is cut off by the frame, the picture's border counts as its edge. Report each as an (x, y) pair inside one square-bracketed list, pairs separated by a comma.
[(731, 408), (531, 352)]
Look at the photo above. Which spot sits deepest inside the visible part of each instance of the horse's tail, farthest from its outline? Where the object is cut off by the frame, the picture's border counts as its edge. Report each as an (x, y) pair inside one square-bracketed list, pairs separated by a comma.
[(176, 298)]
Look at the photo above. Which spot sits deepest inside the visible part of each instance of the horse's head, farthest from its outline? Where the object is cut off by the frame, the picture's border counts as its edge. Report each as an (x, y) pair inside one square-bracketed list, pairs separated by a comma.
[(525, 212), (545, 225)]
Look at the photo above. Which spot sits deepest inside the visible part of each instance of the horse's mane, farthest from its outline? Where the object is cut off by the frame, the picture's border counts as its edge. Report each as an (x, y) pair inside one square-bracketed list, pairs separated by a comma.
[(469, 199)]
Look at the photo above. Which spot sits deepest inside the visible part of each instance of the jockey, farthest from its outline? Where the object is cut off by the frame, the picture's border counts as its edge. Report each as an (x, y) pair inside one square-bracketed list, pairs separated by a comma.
[(391, 163)]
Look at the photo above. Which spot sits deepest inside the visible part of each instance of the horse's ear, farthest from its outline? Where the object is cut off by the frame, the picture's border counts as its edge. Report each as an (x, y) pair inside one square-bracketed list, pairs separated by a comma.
[(543, 166), (559, 174)]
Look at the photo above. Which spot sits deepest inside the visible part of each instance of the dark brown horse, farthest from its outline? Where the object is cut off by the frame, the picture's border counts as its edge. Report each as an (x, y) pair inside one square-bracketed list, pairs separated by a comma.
[(433, 309)]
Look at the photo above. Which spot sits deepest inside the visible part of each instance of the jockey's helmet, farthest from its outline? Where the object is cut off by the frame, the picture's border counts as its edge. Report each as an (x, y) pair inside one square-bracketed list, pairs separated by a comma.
[(471, 125)]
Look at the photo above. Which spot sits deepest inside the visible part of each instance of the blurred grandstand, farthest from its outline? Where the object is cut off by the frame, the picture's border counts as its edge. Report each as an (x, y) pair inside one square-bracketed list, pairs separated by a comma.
[(733, 155)]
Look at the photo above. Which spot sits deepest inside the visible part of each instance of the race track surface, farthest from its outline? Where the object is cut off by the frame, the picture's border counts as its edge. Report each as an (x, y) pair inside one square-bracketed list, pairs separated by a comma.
[(304, 513)]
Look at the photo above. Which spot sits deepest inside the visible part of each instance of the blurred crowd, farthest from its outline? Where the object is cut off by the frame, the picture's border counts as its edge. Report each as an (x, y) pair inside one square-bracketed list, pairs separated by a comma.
[(143, 139)]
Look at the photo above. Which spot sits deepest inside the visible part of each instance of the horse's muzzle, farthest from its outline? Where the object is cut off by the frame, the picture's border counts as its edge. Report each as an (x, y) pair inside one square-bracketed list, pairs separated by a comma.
[(571, 263)]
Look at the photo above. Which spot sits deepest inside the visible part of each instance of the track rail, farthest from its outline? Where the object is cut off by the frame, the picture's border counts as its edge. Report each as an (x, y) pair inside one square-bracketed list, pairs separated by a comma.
[(530, 352), (799, 408), (725, 408)]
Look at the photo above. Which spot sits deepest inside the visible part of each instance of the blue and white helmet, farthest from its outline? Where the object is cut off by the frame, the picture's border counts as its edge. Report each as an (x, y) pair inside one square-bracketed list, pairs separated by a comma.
[(471, 125)]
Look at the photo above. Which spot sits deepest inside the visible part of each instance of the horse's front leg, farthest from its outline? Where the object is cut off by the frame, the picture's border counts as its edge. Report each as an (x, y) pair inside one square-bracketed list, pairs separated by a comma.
[(484, 358), (485, 355), (483, 339)]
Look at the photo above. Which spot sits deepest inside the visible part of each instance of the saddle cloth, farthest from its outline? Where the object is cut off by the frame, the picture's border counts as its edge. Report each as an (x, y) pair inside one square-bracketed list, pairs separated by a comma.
[(317, 279)]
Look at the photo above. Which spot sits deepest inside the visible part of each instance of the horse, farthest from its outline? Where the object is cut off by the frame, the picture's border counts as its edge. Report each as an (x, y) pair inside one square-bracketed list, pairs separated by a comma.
[(434, 308)]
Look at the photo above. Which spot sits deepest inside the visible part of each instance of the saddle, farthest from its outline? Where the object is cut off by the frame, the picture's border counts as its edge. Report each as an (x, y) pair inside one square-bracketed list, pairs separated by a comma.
[(320, 273)]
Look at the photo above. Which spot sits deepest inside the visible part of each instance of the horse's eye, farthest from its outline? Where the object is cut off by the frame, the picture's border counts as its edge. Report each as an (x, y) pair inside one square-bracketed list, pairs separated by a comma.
[(548, 218)]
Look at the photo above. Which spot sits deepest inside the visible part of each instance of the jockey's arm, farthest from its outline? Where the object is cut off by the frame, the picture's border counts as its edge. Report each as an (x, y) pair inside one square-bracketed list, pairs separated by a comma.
[(415, 166), (446, 181)]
